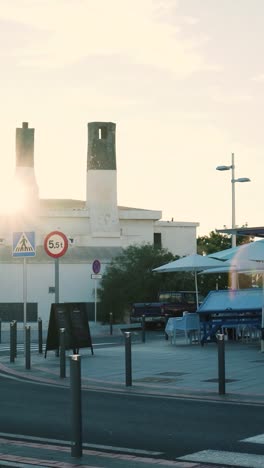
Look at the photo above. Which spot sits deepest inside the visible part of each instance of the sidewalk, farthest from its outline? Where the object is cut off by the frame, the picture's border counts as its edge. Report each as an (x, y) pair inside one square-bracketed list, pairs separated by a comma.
[(158, 368)]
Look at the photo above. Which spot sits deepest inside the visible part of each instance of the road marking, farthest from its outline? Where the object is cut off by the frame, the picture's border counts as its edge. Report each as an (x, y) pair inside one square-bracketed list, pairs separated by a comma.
[(258, 439), (241, 460), (45, 440)]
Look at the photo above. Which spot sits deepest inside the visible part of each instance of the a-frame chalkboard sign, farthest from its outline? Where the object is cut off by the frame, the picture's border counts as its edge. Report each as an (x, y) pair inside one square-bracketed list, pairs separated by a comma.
[(72, 316)]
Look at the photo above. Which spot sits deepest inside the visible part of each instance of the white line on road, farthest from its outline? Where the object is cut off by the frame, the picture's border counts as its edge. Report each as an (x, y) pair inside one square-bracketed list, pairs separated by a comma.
[(241, 460), (258, 439)]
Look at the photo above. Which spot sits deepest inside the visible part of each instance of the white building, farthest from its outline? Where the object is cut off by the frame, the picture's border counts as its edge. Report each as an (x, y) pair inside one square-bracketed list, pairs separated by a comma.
[(97, 228)]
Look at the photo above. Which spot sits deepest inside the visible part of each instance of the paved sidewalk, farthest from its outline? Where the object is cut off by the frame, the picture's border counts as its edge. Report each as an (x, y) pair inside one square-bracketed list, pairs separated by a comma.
[(158, 368)]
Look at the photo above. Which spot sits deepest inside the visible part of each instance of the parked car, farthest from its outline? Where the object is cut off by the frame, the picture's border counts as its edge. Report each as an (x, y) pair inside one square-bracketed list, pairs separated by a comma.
[(169, 304)]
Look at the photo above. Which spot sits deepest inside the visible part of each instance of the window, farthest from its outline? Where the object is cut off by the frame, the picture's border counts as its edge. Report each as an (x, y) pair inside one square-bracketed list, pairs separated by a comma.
[(157, 240), (102, 133)]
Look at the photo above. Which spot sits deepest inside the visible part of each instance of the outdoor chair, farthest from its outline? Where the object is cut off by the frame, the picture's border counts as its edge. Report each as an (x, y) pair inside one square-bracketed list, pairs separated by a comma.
[(188, 324)]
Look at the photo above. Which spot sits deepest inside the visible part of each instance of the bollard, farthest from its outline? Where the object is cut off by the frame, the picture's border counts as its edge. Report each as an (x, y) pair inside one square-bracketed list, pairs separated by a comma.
[(128, 359), (221, 363), (12, 342), (62, 354), (0, 330), (40, 338), (76, 405), (166, 321), (27, 344), (143, 324), (111, 323), (15, 337)]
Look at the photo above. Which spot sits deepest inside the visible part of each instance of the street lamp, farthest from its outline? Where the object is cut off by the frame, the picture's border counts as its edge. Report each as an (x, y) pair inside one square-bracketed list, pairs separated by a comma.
[(233, 181)]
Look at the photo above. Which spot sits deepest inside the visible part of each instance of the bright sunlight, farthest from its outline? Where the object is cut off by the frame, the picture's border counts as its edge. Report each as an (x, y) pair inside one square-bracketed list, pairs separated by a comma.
[(12, 197)]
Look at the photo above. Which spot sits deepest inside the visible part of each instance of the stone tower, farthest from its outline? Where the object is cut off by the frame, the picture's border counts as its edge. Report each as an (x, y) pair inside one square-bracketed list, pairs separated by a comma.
[(101, 181)]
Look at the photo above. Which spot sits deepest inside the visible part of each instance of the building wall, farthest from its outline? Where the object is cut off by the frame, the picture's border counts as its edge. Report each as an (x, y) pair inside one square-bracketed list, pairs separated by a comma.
[(178, 238), (97, 228)]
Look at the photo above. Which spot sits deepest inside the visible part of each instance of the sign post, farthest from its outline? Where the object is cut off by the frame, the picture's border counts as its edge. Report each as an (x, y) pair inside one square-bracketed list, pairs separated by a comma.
[(56, 245), (24, 246), (96, 270)]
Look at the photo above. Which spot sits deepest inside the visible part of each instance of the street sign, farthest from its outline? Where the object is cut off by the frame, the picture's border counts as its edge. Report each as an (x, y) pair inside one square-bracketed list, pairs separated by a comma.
[(96, 266), (56, 244), (24, 244), (94, 276)]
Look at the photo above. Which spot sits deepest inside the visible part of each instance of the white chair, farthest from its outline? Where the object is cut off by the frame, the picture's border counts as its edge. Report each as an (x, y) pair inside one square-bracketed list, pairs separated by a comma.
[(188, 323)]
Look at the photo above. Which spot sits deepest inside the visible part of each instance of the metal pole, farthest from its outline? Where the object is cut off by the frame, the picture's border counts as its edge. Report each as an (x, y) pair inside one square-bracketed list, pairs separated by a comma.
[(233, 237), (221, 363), (111, 323), (233, 199), (143, 324), (0, 330), (12, 343), (62, 354), (25, 299), (57, 281), (76, 405), (40, 338), (128, 359), (27, 348), (95, 300)]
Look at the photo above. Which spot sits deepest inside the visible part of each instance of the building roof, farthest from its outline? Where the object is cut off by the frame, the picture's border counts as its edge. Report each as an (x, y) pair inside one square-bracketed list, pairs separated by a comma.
[(68, 203), (73, 255), (248, 231)]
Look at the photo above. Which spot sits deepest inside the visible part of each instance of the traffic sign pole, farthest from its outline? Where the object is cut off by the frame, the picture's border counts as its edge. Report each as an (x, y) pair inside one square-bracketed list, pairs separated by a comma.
[(56, 245), (24, 246), (95, 301), (57, 281), (25, 299)]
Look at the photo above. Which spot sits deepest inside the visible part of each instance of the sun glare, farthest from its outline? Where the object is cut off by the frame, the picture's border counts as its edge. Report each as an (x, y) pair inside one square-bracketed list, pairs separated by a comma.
[(12, 198)]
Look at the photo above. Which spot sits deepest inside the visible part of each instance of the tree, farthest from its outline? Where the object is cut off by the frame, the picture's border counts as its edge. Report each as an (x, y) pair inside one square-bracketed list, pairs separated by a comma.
[(129, 278), (215, 242)]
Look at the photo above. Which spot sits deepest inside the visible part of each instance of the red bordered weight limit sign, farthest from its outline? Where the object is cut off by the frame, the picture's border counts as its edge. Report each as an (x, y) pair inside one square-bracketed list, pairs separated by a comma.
[(56, 244)]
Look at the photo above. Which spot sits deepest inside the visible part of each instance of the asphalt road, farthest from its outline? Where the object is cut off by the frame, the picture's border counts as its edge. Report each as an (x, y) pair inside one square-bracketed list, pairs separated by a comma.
[(172, 426)]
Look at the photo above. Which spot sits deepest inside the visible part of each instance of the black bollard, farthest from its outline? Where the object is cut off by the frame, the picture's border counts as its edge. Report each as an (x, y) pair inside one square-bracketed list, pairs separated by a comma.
[(111, 323), (40, 337), (128, 359), (15, 337), (143, 324), (62, 354), (166, 321), (27, 350), (12, 342), (221, 363), (76, 405)]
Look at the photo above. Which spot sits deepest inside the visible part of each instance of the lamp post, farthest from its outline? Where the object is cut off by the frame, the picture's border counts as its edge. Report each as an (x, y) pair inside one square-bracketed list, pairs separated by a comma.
[(233, 182)]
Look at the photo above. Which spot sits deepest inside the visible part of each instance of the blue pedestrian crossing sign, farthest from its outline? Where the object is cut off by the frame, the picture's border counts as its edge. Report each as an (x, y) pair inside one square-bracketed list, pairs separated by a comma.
[(24, 244)]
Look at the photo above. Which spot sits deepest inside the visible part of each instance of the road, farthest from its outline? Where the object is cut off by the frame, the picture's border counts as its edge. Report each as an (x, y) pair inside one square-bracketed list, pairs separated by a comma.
[(171, 426)]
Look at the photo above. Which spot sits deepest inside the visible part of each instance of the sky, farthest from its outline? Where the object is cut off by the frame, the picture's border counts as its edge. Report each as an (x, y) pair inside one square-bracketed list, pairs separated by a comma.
[(182, 79)]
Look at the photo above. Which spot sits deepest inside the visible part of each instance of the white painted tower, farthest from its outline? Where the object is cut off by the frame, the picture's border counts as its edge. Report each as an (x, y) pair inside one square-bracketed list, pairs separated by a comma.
[(101, 181)]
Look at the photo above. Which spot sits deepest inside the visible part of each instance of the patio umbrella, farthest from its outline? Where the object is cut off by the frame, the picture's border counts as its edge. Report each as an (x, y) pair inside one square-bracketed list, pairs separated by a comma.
[(253, 251), (236, 266), (257, 255), (243, 252), (193, 263)]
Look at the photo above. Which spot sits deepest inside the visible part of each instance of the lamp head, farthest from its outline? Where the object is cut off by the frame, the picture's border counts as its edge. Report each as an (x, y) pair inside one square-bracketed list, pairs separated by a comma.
[(242, 179), (223, 168)]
